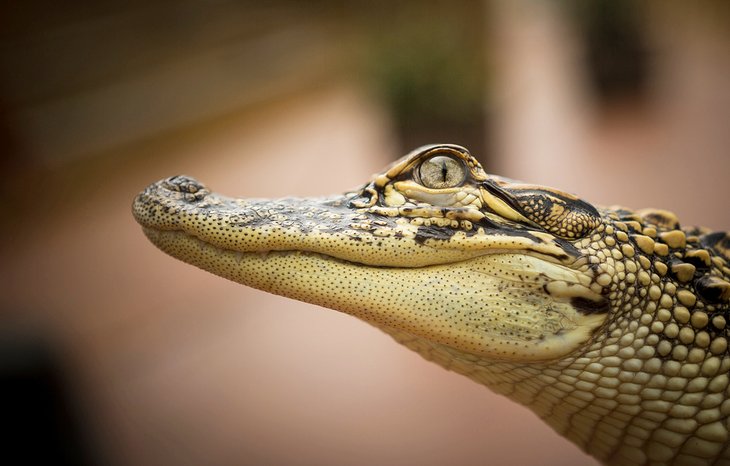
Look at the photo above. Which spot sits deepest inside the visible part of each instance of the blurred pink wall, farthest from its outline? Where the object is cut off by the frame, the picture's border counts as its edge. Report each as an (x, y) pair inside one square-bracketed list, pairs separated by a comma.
[(176, 366)]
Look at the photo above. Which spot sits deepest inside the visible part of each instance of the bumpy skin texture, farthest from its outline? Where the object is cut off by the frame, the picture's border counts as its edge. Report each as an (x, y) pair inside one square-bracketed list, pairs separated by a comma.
[(610, 324)]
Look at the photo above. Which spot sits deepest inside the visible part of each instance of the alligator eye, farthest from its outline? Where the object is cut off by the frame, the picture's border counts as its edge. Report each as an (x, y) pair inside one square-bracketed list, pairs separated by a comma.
[(442, 171)]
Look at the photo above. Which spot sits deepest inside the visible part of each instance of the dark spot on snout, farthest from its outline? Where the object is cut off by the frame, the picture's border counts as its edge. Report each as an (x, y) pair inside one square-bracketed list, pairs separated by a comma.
[(430, 232)]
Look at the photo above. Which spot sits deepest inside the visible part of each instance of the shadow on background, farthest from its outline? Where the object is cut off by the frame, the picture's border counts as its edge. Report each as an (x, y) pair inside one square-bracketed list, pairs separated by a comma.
[(39, 407)]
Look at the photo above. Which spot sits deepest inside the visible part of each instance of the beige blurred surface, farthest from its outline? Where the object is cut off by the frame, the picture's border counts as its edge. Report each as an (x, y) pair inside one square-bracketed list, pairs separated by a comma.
[(176, 366)]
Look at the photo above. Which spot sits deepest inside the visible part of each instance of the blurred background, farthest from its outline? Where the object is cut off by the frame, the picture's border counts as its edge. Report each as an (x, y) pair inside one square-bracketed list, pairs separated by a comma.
[(113, 353)]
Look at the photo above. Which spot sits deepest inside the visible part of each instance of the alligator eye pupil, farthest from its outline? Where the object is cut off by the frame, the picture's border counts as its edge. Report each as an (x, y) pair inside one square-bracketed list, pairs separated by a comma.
[(442, 171)]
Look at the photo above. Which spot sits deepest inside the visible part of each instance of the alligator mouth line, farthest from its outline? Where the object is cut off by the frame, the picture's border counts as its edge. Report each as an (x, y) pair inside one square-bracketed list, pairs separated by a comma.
[(507, 266), (167, 240)]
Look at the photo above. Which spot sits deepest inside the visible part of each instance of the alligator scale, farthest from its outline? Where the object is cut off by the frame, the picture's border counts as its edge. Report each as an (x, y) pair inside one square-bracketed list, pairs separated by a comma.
[(610, 324)]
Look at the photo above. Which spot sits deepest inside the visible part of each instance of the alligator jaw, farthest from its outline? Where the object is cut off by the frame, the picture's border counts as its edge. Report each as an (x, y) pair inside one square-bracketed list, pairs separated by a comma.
[(324, 252)]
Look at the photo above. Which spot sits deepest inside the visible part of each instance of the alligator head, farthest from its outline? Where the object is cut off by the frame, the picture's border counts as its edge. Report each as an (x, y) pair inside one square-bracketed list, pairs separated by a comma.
[(567, 308)]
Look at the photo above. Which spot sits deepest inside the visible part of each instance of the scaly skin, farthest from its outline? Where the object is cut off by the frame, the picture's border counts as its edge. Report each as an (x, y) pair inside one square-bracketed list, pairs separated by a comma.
[(610, 324)]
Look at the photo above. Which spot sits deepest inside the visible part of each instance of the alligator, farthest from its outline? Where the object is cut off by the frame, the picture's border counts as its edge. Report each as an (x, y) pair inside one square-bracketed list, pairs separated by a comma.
[(610, 324)]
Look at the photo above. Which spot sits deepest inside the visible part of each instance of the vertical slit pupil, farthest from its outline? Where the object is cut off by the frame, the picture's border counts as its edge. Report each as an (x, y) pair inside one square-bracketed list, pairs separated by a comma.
[(444, 171)]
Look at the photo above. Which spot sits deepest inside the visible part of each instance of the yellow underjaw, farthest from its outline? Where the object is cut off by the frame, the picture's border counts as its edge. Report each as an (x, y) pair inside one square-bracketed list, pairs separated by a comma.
[(495, 306)]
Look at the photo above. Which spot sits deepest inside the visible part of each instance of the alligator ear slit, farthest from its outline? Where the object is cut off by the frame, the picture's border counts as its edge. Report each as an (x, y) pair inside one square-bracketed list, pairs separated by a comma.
[(500, 193), (559, 214)]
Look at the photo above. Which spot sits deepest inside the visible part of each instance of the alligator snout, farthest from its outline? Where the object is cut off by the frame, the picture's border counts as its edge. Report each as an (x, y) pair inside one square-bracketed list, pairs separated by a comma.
[(158, 205)]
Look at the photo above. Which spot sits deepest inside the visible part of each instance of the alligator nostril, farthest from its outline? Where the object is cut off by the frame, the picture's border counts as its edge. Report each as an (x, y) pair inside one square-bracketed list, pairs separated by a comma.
[(183, 184)]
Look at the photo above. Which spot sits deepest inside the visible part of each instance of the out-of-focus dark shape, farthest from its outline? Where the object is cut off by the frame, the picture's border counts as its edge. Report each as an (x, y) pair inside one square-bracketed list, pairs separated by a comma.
[(616, 49), (40, 414)]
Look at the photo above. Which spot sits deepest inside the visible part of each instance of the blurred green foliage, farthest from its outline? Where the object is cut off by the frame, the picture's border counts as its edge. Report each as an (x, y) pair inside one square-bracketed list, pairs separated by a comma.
[(426, 61), (429, 68)]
